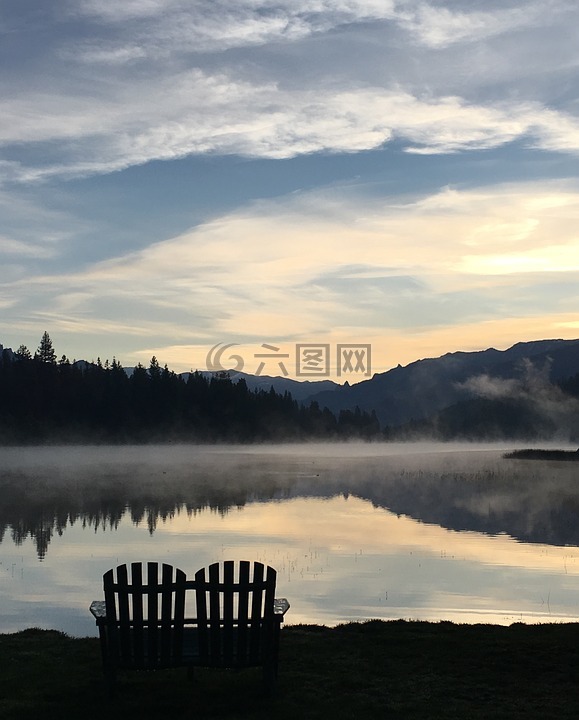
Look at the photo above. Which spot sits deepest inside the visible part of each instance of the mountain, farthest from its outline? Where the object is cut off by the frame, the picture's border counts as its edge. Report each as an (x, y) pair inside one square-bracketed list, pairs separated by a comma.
[(425, 387), (486, 394), (300, 390)]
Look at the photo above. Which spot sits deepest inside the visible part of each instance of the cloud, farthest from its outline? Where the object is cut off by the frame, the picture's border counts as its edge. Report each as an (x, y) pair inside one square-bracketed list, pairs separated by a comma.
[(533, 387), (92, 87), (179, 88), (202, 114), (164, 28), (222, 24), (15, 248), (34, 233), (437, 26), (205, 14), (95, 53), (325, 264), (493, 388), (556, 258)]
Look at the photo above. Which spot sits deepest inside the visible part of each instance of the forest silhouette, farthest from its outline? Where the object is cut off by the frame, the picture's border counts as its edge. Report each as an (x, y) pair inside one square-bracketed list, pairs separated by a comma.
[(48, 400)]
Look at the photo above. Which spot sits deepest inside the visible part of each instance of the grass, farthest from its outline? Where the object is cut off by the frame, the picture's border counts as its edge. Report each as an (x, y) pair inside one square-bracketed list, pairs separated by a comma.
[(397, 670)]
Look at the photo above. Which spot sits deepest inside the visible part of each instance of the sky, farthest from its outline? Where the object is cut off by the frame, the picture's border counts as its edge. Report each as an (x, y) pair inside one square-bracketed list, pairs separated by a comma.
[(200, 178)]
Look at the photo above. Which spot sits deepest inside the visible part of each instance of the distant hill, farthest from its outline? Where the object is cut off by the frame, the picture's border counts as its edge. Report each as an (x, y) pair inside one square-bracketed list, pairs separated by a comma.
[(489, 394), (426, 387), (300, 390)]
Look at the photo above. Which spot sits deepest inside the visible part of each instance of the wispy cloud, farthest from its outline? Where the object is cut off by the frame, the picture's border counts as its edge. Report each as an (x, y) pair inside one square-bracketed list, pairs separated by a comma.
[(16, 248), (533, 387), (215, 18), (222, 24), (167, 99), (296, 269), (200, 114), (438, 26), (91, 89)]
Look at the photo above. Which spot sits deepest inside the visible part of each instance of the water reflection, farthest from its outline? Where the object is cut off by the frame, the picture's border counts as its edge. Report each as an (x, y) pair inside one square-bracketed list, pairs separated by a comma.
[(355, 531), (46, 490)]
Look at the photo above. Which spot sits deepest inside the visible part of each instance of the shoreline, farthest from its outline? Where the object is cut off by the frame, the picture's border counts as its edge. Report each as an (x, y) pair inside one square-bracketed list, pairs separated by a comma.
[(400, 669)]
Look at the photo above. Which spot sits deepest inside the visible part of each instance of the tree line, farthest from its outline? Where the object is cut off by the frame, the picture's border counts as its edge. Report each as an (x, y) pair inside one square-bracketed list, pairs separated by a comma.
[(46, 399)]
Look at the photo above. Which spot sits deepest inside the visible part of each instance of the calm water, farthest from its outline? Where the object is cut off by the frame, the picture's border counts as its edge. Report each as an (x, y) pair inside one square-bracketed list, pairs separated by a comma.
[(355, 531)]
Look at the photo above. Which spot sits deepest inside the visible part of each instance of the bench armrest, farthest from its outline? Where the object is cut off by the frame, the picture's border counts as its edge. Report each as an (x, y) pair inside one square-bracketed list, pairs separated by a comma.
[(99, 609), (280, 606)]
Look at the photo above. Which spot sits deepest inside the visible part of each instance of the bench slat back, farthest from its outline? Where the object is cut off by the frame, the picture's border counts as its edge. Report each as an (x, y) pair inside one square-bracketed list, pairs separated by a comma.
[(234, 613), (145, 634)]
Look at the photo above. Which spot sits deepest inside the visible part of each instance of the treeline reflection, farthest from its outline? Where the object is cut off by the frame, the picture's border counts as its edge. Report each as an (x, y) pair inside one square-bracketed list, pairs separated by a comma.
[(531, 502), (33, 510)]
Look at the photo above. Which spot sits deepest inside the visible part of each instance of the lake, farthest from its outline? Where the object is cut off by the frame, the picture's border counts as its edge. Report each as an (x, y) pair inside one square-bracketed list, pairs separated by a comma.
[(356, 531)]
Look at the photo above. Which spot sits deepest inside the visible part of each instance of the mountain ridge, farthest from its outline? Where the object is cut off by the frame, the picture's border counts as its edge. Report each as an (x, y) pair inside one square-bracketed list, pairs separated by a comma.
[(443, 391), (429, 385)]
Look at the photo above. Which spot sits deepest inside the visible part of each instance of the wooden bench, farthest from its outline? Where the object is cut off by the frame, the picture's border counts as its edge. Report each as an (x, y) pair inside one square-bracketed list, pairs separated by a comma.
[(225, 617)]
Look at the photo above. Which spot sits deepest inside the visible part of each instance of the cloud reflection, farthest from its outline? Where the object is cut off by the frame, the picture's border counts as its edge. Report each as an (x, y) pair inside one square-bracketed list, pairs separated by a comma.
[(355, 531)]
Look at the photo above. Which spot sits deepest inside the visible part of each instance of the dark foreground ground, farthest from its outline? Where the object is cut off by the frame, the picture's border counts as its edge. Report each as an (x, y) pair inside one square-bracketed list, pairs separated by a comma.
[(370, 670)]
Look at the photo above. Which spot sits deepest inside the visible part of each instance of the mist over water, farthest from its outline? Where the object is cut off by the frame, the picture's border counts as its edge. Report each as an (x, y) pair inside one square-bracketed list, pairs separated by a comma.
[(355, 530)]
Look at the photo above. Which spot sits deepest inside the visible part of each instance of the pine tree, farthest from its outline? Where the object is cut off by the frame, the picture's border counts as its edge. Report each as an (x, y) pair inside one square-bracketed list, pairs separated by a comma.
[(45, 352), (23, 353), (154, 369)]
